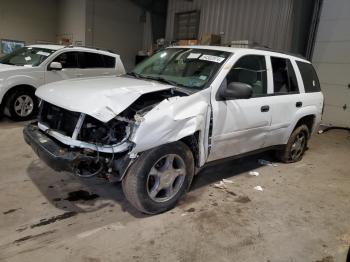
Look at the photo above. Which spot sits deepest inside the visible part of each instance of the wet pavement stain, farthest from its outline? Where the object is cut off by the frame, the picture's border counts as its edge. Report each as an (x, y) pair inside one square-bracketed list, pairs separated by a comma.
[(81, 195), (54, 219), (17, 241), (243, 199), (10, 211)]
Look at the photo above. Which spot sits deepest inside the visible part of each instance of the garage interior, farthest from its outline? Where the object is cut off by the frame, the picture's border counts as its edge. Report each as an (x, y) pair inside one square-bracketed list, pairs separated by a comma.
[(302, 213)]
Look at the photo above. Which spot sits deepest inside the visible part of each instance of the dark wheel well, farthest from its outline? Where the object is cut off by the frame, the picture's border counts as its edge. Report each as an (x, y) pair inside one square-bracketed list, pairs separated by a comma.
[(308, 120), (14, 89), (192, 142)]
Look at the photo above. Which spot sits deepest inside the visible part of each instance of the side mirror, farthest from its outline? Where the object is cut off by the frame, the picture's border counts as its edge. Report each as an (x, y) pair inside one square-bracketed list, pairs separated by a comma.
[(55, 66), (236, 90)]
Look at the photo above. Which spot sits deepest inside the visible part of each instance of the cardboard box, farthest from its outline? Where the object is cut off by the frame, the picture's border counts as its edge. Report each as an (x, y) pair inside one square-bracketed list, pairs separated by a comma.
[(187, 42), (211, 39)]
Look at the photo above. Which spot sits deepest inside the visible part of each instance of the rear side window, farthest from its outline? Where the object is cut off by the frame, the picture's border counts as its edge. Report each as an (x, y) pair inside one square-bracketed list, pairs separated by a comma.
[(109, 61), (90, 60), (309, 76), (284, 79)]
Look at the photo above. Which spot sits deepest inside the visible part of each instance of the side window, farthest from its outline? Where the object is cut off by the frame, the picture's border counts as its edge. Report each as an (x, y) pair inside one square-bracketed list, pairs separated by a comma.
[(250, 69), (90, 60), (284, 79), (67, 59), (309, 76), (109, 61)]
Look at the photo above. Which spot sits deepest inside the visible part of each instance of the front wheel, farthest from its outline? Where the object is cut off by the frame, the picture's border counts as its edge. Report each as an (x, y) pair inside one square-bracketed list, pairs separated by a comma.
[(22, 105), (159, 177), (296, 146)]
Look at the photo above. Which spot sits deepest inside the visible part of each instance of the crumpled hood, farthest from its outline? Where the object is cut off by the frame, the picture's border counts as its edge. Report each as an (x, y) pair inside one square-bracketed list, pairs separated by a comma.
[(100, 97)]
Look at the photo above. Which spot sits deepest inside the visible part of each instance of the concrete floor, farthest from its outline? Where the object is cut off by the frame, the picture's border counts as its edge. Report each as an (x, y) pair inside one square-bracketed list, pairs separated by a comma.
[(303, 214)]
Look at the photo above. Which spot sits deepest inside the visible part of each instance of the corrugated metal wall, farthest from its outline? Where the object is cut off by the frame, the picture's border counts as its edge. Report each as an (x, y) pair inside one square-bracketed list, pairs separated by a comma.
[(268, 22)]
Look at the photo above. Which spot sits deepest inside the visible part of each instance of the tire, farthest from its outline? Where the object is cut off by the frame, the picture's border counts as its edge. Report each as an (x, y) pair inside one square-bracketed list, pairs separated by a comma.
[(22, 105), (292, 152), (153, 170)]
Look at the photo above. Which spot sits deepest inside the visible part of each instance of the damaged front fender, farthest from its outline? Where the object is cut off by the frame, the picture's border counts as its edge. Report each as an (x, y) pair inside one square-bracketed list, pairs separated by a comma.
[(171, 120)]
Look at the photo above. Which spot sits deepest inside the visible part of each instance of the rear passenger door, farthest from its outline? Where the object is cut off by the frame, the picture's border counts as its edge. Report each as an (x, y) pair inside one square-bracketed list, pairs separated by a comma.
[(285, 98), (94, 64)]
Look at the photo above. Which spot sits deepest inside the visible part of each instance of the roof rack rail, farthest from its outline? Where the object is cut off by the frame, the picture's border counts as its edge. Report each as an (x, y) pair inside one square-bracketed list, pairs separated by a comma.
[(265, 48), (257, 46), (91, 47)]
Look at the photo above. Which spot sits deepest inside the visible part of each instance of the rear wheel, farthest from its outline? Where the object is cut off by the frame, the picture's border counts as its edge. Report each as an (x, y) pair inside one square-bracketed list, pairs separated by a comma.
[(296, 146), (159, 177), (22, 105)]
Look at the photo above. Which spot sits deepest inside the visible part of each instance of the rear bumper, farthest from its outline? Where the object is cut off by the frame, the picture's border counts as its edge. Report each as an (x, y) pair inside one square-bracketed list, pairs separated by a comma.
[(48, 150)]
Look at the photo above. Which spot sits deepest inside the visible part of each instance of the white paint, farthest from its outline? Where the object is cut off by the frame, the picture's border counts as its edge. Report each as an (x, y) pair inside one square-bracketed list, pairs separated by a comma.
[(239, 126), (102, 98), (12, 76)]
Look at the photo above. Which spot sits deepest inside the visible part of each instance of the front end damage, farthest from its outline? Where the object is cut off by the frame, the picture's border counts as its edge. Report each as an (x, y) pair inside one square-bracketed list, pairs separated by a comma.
[(79, 143)]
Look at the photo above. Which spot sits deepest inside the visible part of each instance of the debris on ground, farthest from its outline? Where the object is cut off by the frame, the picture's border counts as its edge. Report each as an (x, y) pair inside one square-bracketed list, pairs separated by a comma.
[(243, 199), (266, 163), (183, 214), (254, 173), (190, 210), (259, 188), (227, 181), (220, 185)]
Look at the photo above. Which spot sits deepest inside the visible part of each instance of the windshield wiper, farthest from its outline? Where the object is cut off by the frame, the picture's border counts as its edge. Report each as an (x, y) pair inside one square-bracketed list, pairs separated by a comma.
[(163, 80), (133, 74)]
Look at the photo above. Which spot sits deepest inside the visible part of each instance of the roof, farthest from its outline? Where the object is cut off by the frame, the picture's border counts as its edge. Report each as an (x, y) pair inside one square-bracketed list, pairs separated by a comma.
[(53, 47), (58, 47), (244, 49)]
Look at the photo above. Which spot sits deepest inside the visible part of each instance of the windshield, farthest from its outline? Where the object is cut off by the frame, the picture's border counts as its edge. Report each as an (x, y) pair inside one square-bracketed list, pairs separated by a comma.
[(185, 67), (27, 56)]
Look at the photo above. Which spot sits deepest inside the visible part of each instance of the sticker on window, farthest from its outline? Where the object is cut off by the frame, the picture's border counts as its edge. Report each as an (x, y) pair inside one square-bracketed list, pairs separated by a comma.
[(28, 58), (193, 55), (212, 58), (43, 53), (203, 77)]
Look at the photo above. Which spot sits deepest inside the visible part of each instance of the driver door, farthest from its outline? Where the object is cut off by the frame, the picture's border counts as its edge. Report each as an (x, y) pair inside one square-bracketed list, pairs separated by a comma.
[(241, 125), (70, 68)]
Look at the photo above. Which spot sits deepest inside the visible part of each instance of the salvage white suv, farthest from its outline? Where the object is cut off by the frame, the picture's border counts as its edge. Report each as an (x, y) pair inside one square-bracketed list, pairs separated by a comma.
[(27, 68), (155, 127)]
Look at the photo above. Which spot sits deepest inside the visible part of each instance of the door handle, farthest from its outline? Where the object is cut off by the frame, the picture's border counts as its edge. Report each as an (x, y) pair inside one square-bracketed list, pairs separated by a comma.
[(299, 104), (265, 108), (105, 73), (79, 75)]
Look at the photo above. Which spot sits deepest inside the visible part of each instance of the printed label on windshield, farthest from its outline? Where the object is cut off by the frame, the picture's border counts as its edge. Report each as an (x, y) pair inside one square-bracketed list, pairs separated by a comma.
[(212, 58), (193, 55), (43, 53)]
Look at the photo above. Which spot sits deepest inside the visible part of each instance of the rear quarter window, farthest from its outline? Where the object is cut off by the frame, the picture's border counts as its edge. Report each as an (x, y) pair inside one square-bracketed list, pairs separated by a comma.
[(109, 61), (309, 76)]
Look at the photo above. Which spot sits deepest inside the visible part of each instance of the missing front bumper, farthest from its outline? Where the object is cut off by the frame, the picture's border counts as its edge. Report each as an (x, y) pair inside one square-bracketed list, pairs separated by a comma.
[(54, 155), (63, 158)]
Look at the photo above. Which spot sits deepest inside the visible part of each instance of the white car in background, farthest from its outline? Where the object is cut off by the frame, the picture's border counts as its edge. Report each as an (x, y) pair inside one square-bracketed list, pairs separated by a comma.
[(27, 68), (177, 111)]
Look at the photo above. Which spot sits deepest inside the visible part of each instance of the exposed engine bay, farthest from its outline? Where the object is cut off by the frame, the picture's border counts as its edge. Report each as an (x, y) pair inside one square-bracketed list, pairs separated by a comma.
[(96, 144)]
